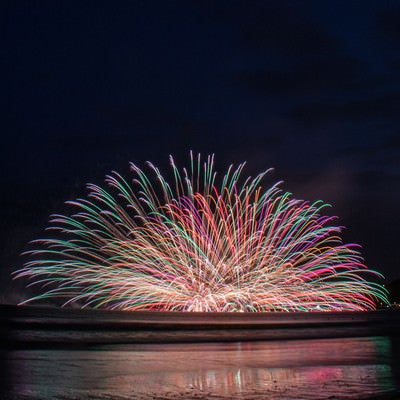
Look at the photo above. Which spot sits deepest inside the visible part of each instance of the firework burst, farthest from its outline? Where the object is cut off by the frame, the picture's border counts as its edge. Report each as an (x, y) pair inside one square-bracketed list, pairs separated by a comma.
[(193, 244)]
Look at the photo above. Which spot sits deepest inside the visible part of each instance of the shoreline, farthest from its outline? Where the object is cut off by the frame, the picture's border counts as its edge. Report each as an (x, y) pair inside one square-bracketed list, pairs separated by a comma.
[(47, 326)]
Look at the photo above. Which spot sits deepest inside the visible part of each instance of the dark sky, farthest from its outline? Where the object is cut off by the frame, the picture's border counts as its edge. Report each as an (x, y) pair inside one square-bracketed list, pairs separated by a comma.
[(309, 88)]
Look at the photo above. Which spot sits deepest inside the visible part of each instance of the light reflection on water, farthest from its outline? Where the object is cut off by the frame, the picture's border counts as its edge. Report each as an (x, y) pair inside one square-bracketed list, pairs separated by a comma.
[(350, 368)]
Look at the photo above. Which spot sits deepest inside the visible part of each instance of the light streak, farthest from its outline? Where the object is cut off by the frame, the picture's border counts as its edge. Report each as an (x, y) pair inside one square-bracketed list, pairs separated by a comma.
[(191, 244)]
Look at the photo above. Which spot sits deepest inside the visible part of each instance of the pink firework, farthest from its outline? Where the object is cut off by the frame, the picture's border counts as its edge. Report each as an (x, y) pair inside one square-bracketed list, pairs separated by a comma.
[(193, 244)]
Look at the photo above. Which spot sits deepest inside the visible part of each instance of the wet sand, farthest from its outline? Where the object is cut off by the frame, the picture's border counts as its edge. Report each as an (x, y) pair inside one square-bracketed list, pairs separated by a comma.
[(69, 355), (317, 369)]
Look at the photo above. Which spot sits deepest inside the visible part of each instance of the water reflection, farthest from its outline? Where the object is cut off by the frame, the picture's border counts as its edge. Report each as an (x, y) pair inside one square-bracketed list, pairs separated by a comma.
[(309, 369)]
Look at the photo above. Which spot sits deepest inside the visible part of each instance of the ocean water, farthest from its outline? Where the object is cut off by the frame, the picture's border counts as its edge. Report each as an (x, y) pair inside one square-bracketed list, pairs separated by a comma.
[(330, 368)]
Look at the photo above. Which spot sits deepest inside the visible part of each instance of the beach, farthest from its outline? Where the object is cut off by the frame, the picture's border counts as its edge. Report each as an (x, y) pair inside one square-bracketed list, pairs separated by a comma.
[(343, 368), (70, 354)]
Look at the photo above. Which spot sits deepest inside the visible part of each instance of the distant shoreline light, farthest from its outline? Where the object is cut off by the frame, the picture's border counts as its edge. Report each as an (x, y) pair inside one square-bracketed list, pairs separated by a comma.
[(194, 244)]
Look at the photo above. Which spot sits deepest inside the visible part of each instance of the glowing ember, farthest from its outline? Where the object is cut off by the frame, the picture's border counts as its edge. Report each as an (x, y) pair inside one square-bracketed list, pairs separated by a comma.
[(195, 245)]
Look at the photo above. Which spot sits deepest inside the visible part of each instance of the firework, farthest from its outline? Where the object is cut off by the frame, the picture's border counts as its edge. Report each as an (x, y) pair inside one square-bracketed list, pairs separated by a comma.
[(192, 244)]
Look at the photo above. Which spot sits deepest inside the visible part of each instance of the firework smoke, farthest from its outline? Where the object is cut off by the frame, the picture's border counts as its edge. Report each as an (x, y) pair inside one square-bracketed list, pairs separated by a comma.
[(194, 245)]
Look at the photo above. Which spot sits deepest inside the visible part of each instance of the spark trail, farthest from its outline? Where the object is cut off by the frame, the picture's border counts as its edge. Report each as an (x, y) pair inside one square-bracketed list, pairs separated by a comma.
[(192, 244)]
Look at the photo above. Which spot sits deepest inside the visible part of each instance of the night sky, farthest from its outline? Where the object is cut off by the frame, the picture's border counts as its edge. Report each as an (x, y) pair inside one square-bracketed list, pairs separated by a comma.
[(309, 88)]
